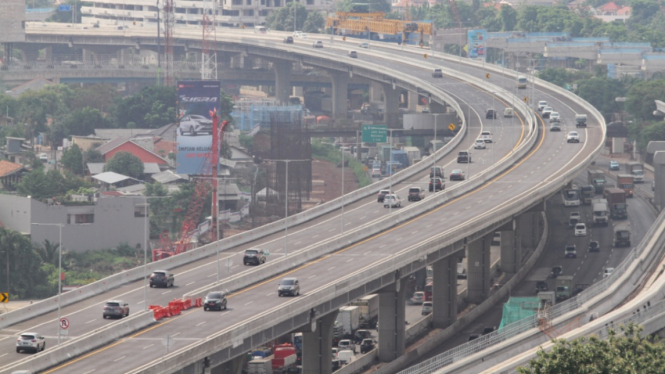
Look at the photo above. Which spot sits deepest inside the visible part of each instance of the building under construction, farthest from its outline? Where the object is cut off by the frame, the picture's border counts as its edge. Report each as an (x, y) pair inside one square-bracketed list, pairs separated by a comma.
[(284, 140)]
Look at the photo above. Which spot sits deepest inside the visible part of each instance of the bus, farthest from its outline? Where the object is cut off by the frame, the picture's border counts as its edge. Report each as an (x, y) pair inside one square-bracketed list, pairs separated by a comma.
[(521, 81), (259, 29), (428, 291)]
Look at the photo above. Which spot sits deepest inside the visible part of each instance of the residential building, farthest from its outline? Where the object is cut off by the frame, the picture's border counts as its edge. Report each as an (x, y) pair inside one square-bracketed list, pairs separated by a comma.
[(10, 175), (86, 143), (96, 224), (122, 144), (16, 150)]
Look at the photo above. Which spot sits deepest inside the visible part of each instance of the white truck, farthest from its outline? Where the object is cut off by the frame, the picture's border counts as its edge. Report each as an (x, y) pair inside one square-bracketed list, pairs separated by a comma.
[(260, 366), (601, 212), (413, 154), (369, 307), (349, 317)]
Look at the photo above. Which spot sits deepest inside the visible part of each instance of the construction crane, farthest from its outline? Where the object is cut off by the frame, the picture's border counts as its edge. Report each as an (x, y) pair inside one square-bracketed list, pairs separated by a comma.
[(202, 187), (209, 42), (169, 25)]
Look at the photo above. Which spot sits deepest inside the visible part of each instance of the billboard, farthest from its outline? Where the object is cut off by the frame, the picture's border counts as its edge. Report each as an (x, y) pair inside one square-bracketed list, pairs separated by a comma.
[(196, 99), (477, 44)]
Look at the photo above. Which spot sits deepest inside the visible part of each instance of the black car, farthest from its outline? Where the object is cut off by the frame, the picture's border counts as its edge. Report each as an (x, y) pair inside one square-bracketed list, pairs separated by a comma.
[(541, 286), (488, 330), (556, 271), (161, 278), (437, 73), (490, 114), (594, 246), (416, 194), (254, 256), (463, 157), (436, 184), (367, 345), (288, 40), (382, 194), (288, 287), (215, 300)]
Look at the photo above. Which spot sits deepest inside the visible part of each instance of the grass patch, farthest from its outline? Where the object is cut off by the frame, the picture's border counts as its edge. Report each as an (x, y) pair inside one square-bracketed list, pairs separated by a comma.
[(327, 152)]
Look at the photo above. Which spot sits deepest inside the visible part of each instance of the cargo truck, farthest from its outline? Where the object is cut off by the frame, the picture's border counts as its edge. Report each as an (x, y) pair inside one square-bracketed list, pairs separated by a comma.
[(616, 199), (636, 169), (596, 178), (563, 287), (369, 310), (588, 192), (600, 212), (413, 154), (622, 236), (285, 357), (626, 183), (260, 366), (349, 317)]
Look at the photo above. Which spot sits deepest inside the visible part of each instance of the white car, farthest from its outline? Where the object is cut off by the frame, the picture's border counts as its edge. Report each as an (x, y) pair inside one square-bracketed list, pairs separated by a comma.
[(427, 308), (392, 200), (479, 144), (317, 44), (541, 105), (43, 157), (486, 136), (418, 297), (555, 117), (346, 344), (300, 34), (30, 341), (364, 45), (547, 111), (580, 229), (607, 272), (376, 173), (573, 137)]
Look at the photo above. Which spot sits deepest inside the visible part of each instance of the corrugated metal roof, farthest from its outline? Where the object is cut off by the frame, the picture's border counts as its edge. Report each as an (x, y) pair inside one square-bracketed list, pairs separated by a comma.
[(168, 176), (110, 177)]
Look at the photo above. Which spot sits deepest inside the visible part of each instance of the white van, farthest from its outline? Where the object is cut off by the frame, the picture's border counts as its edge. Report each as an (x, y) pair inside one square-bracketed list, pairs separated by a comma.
[(346, 356), (508, 112)]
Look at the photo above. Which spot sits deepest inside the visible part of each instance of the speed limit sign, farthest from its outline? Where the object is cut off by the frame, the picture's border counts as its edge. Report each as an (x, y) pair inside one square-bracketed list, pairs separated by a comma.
[(64, 323)]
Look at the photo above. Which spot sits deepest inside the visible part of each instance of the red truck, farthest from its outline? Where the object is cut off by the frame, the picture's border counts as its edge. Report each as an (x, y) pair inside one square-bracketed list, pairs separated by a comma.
[(626, 183), (285, 356)]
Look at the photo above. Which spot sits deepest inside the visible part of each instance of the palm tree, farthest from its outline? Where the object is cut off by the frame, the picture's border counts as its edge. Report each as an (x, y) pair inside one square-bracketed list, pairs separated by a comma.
[(49, 252)]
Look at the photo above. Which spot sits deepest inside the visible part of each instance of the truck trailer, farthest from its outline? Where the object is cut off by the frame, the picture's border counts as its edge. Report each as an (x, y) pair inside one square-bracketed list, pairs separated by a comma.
[(616, 199), (636, 169), (622, 236), (596, 178), (626, 183), (601, 212)]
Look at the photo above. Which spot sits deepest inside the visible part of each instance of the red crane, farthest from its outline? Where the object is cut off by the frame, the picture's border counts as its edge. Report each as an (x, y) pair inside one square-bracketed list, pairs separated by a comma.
[(201, 189)]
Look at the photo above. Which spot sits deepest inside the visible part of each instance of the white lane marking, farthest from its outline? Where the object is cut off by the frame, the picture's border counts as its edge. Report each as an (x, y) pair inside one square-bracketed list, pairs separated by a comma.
[(164, 293), (362, 217), (200, 323), (189, 283), (270, 294), (349, 260), (330, 268), (92, 320), (148, 346), (211, 275), (428, 226), (176, 334), (87, 372), (331, 230), (119, 358), (249, 303), (296, 243), (311, 277), (383, 245), (3, 355), (415, 232), (234, 266), (315, 236)]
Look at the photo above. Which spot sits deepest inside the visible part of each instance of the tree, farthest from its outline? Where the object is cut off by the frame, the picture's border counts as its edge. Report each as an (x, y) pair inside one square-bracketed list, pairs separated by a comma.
[(97, 96), (37, 185), (640, 99), (23, 264), (72, 159), (314, 22), (282, 19), (48, 252), (620, 353), (93, 155), (602, 93), (153, 107), (508, 17), (125, 163)]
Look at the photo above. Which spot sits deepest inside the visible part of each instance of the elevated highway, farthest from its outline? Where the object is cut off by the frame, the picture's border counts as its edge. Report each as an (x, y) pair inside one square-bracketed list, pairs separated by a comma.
[(531, 165)]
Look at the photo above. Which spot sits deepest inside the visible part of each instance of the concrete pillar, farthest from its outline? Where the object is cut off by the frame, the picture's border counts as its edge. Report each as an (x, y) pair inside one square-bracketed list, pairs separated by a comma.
[(87, 57), (340, 95), (526, 227), (317, 346), (478, 269), (659, 177), (511, 254), (234, 366), (392, 308), (298, 91), (247, 62), (412, 100), (444, 292), (48, 54), (30, 54), (617, 145), (282, 81), (391, 100)]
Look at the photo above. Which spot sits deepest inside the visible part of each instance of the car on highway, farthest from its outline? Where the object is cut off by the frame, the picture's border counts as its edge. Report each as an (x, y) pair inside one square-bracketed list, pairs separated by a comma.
[(463, 157), (299, 34), (436, 171), (352, 54), (364, 45), (541, 105), (346, 344), (555, 126), (556, 271), (215, 300), (367, 345), (479, 144), (376, 173), (115, 308), (418, 297), (490, 114), (194, 124), (541, 286), (427, 308), (161, 278), (573, 219), (614, 165), (392, 201), (456, 175), (488, 330), (594, 246), (570, 251), (43, 157), (436, 184), (382, 195), (254, 256), (288, 40), (416, 194), (555, 117), (607, 272), (580, 229), (30, 342), (437, 73), (317, 44), (547, 111), (573, 137), (346, 356), (508, 112), (486, 136), (289, 287)]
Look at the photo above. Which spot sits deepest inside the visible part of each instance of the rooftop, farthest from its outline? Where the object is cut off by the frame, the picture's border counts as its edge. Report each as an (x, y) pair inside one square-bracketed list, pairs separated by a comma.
[(8, 168)]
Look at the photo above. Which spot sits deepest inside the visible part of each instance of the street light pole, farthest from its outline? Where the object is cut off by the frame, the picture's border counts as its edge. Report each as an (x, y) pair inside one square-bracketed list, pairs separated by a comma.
[(59, 225), (286, 205)]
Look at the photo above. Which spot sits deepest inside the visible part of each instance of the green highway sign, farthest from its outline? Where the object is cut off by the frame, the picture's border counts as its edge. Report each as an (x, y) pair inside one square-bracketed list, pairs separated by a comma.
[(374, 133)]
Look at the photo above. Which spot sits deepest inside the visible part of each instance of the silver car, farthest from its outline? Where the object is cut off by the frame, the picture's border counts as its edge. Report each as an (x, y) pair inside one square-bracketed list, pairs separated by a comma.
[(30, 341), (193, 124)]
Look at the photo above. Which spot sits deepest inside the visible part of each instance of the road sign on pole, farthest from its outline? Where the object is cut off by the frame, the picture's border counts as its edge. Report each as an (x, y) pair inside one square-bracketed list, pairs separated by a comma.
[(4, 297), (452, 127), (64, 323), (374, 133)]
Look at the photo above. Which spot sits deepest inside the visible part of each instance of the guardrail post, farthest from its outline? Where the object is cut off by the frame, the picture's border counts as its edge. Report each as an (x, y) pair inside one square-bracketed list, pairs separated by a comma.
[(392, 309), (444, 292), (317, 346)]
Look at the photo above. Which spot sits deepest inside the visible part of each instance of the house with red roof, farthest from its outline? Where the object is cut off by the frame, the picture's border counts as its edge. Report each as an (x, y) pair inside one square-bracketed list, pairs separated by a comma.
[(10, 174), (122, 144), (610, 12)]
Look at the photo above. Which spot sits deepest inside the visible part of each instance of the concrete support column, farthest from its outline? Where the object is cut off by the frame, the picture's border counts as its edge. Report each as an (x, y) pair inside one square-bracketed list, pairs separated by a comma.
[(478, 269), (298, 91), (48, 54), (526, 229), (375, 91), (617, 145), (391, 100), (87, 56), (340, 95), (282, 81), (511, 253), (659, 178), (234, 366), (392, 308), (412, 99), (30, 54), (444, 292), (317, 345)]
